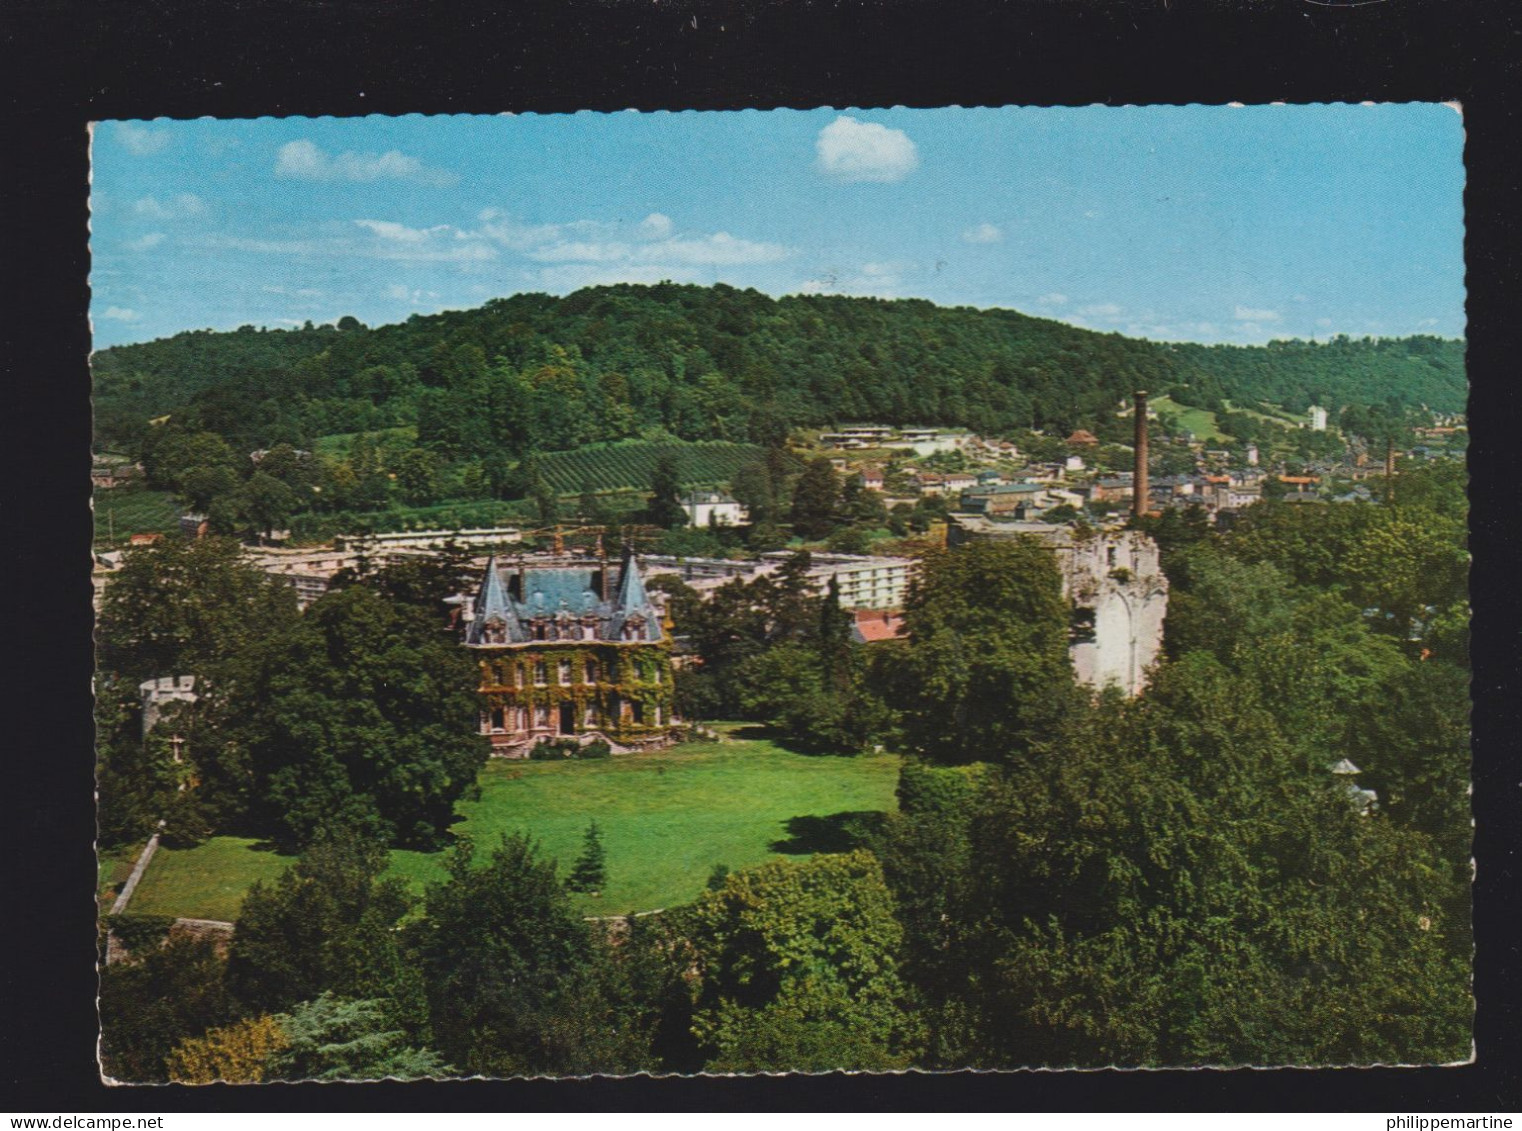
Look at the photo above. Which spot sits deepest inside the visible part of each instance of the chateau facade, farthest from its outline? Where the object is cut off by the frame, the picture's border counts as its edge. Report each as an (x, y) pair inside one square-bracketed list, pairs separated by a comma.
[(565, 650)]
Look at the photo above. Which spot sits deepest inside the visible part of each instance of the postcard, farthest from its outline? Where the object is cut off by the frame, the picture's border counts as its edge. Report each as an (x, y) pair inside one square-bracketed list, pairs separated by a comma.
[(781, 591)]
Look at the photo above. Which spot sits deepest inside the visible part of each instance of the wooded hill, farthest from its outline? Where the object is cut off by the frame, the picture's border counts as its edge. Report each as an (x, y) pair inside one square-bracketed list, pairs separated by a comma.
[(533, 371)]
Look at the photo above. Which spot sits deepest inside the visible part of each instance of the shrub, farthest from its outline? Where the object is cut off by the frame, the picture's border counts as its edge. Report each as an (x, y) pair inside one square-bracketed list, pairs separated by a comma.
[(551, 750), (139, 932), (597, 748)]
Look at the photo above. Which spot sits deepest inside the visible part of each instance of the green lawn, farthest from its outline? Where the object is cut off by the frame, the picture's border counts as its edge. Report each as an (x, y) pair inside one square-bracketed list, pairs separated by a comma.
[(1266, 412), (205, 882), (1196, 420), (667, 818), (113, 866)]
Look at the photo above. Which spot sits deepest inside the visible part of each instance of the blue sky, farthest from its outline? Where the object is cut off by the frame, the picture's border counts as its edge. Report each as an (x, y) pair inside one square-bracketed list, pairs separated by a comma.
[(1214, 224)]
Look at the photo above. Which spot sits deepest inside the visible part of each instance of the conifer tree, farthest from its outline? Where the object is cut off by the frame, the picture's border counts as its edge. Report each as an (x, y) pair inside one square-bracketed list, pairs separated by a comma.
[(666, 495), (590, 871), (816, 498), (835, 639)]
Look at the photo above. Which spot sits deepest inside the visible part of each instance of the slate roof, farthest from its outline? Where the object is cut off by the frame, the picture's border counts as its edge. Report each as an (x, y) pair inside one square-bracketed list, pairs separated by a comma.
[(553, 591), (1009, 489)]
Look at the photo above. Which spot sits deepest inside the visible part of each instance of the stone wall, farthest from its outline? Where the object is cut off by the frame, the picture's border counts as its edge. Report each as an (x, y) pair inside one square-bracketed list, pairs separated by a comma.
[(1116, 585), (1116, 575), (159, 693)]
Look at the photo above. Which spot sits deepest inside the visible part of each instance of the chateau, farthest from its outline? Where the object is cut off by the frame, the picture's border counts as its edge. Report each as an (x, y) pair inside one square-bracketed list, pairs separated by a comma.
[(566, 650)]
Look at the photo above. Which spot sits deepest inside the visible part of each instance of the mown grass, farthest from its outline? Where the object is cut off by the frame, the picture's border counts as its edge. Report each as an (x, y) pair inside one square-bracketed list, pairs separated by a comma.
[(112, 868), (1197, 420), (666, 819), (207, 881), (1268, 413)]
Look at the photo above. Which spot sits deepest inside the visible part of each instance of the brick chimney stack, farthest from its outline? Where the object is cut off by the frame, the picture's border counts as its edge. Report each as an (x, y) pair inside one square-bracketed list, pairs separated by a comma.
[(1141, 501)]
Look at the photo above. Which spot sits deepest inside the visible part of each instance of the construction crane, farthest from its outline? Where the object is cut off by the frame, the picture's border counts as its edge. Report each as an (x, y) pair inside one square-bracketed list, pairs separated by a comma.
[(633, 533)]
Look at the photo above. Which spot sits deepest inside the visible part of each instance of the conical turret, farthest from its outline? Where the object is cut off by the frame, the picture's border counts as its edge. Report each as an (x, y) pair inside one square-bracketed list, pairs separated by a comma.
[(494, 622), (632, 601)]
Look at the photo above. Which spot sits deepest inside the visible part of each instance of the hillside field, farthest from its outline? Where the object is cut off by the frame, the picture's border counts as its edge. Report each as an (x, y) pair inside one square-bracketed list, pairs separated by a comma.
[(1197, 420), (124, 511), (631, 464), (666, 818)]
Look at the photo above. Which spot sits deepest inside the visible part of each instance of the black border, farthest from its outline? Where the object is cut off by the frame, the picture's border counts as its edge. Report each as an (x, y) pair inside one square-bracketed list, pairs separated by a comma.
[(70, 61)]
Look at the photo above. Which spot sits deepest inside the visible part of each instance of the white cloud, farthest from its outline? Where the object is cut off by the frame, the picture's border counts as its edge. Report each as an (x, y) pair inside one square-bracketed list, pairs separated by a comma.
[(386, 240), (400, 233), (1171, 331), (513, 236), (1323, 322), (1250, 314), (120, 314), (983, 233), (140, 141), (143, 243), (881, 280), (852, 151), (1427, 322), (184, 205), (1102, 310), (572, 276), (648, 249), (410, 295), (656, 226), (721, 248), (584, 251), (651, 241), (305, 160), (1053, 299), (309, 293)]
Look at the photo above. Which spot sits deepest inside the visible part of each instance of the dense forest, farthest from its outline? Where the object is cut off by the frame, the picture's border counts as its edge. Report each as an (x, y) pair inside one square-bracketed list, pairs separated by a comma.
[(533, 371)]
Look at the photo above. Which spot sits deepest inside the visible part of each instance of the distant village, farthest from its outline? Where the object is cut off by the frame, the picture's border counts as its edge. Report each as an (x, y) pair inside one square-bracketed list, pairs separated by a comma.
[(1078, 505)]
